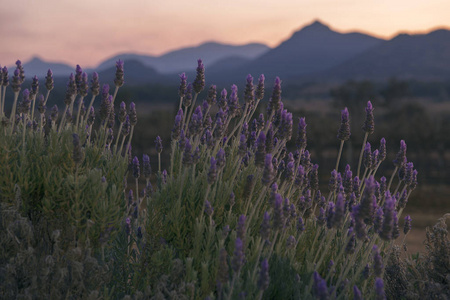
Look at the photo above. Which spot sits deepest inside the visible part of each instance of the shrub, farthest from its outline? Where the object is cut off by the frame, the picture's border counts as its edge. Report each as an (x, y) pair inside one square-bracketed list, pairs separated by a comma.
[(235, 215)]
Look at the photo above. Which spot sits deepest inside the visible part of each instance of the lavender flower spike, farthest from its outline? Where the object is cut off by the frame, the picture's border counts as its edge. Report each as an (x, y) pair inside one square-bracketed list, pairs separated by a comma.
[(301, 134), (158, 143), (136, 169), (238, 259), (369, 123), (212, 174), (263, 281), (199, 82), (407, 226), (208, 208), (268, 173), (146, 167), (357, 293), (344, 130), (259, 92), (118, 81), (379, 289), (399, 159)]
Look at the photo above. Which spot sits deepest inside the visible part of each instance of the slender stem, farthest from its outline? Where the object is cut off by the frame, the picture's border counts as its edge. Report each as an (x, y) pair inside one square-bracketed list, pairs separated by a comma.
[(392, 178), (46, 97), (339, 155), (79, 111), (12, 117), (33, 99), (192, 107), (115, 94), (362, 152)]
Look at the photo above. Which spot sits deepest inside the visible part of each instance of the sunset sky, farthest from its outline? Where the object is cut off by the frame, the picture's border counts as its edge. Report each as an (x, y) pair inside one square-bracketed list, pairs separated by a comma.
[(88, 31)]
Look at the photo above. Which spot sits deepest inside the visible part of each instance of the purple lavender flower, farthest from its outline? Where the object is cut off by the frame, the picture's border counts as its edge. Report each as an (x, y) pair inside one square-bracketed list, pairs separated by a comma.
[(301, 134), (187, 156), (54, 113), (395, 227), (16, 82), (249, 185), (146, 167), (34, 86), (321, 218), (330, 215), (220, 157), (208, 208), (105, 108), (158, 144), (347, 181), (263, 280), (260, 153), (367, 208), (233, 102), (379, 289), (275, 101), (305, 159), (118, 81), (268, 172), (359, 225), (320, 288), (357, 293), (95, 85), (183, 83), (290, 242), (41, 105), (238, 258), (314, 177), (199, 82), (122, 112), (399, 159), (367, 156), (5, 81), (132, 113), (259, 93), (388, 220), (378, 266), (332, 183), (300, 177), (71, 90), (240, 228), (136, 169), (212, 95), (344, 129), (126, 125), (409, 168), (24, 105), (356, 185), (378, 220), (407, 226), (177, 125), (249, 93), (212, 174), (350, 248), (278, 216), (369, 123), (300, 225)]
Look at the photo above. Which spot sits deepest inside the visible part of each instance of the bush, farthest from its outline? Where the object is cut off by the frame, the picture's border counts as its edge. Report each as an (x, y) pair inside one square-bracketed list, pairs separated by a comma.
[(234, 216)]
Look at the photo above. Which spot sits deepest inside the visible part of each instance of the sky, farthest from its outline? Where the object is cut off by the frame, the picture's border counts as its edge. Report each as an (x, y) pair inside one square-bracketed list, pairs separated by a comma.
[(86, 32)]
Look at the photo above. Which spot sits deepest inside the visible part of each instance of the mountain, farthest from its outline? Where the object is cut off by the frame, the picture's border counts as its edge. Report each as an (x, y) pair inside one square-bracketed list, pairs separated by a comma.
[(313, 48), (418, 56), (39, 67), (185, 59), (136, 73)]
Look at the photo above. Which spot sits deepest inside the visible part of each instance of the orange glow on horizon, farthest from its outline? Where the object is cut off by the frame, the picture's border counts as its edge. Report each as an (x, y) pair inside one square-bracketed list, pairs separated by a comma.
[(85, 32)]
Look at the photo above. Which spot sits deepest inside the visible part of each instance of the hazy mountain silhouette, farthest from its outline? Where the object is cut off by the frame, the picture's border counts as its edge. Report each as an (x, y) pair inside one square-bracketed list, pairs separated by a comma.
[(136, 73), (313, 48), (186, 58), (37, 66), (419, 56)]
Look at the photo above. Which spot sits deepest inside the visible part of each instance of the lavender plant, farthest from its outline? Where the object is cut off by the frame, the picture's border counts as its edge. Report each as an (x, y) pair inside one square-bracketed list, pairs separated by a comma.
[(238, 213)]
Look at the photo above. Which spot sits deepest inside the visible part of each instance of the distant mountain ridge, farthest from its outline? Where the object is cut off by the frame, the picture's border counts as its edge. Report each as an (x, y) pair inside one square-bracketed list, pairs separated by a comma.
[(314, 52), (311, 49), (186, 58)]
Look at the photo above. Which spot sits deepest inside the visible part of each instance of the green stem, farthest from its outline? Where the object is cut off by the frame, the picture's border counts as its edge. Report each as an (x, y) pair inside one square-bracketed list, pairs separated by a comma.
[(339, 155), (12, 117), (362, 152)]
